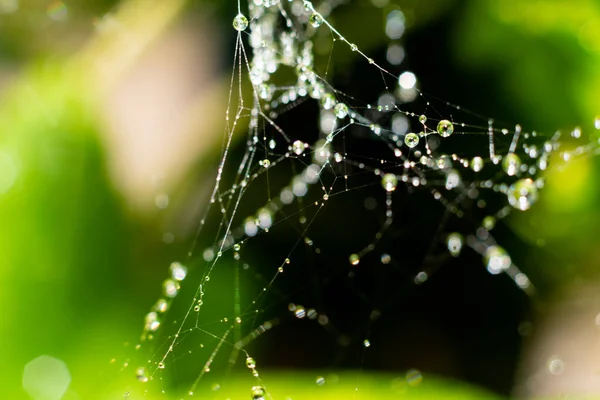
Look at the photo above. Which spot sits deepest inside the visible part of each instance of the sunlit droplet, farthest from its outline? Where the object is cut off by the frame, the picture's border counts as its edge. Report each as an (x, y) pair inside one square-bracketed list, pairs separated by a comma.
[(522, 194), (445, 128), (411, 140), (511, 164), (178, 271), (240, 22), (250, 363), (389, 182), (354, 259), (257, 392), (455, 243), (315, 19), (497, 259), (341, 110), (477, 164)]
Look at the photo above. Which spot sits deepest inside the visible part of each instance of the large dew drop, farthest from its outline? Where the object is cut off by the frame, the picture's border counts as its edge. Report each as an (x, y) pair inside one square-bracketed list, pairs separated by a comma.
[(522, 194), (257, 393), (497, 260), (341, 110), (511, 164), (389, 182), (411, 140), (316, 20), (455, 244), (445, 128), (240, 22)]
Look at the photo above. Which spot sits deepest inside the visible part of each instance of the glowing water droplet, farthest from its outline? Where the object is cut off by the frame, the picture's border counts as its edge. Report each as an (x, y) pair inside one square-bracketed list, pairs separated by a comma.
[(298, 147), (240, 22), (597, 123), (366, 343), (414, 377), (389, 182), (522, 194), (511, 164), (445, 128), (455, 244), (411, 140), (161, 365), (316, 20), (140, 374), (178, 271), (496, 259), (489, 222), (354, 259), (341, 110), (170, 288), (477, 164), (257, 392), (353, 47), (385, 258), (265, 163), (422, 119), (250, 363), (328, 101)]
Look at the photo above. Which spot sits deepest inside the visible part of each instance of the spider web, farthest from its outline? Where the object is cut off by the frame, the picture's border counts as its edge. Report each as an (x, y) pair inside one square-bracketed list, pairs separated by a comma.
[(317, 233)]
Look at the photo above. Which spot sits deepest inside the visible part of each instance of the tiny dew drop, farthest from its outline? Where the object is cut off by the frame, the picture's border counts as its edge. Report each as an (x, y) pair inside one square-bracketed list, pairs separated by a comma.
[(316, 19), (265, 163), (328, 101), (522, 194), (250, 363), (161, 365), (298, 147), (423, 119), (354, 259), (389, 182), (341, 110), (257, 392), (496, 259), (366, 343), (445, 128), (240, 22), (411, 140), (455, 244), (140, 374), (353, 47), (489, 222), (511, 164), (477, 164)]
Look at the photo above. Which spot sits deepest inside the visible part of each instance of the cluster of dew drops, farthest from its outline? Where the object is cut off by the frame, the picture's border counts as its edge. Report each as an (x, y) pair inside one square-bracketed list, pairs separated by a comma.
[(521, 194)]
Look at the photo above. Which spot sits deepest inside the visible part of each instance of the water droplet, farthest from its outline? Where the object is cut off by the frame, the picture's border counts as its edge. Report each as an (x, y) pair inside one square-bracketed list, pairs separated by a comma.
[(385, 258), (354, 259), (411, 140), (170, 288), (366, 343), (423, 119), (140, 374), (240, 22), (455, 244), (353, 47), (298, 147), (265, 163), (511, 163), (477, 164), (316, 19), (522, 194), (414, 377), (597, 123), (320, 380), (250, 363), (556, 366), (341, 110), (161, 365), (445, 128), (257, 392), (496, 259), (489, 222), (389, 182), (178, 271)]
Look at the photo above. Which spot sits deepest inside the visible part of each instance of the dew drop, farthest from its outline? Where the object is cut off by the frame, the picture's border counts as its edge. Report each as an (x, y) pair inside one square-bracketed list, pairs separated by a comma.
[(411, 140), (354, 259), (511, 164), (455, 244), (257, 392), (320, 380), (414, 377), (328, 101), (445, 128), (385, 258), (178, 271), (140, 374), (240, 22), (250, 363), (341, 110), (265, 163), (366, 343), (298, 147), (477, 164), (389, 182), (522, 194), (316, 20), (423, 119), (497, 259)]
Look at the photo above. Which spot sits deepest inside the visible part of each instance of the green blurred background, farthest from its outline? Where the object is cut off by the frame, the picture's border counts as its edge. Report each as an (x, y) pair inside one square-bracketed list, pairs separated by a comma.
[(95, 201)]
